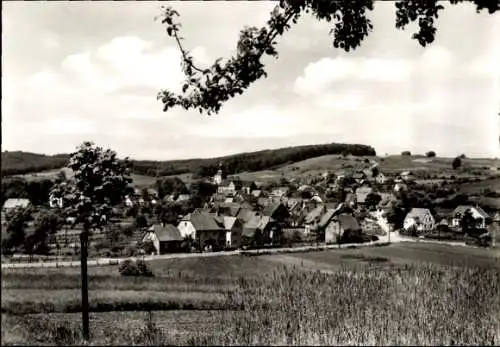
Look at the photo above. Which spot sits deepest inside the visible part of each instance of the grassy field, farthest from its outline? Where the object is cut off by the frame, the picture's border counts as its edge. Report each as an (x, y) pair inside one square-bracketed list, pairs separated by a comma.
[(139, 181), (393, 163), (380, 295)]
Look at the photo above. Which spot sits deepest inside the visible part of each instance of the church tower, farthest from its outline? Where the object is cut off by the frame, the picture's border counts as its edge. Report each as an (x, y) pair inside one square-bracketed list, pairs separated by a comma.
[(218, 175)]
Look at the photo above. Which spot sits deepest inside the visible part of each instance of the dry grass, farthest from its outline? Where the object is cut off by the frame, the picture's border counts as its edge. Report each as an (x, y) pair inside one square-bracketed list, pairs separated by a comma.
[(403, 294), (409, 305)]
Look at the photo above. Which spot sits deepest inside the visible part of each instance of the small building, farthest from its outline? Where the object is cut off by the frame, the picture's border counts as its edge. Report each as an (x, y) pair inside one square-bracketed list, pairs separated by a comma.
[(420, 218), (280, 191), (407, 176), (380, 178), (339, 225), (362, 193), (312, 219), (165, 237), (277, 211), (477, 213), (226, 187), (12, 204), (258, 230), (234, 231)]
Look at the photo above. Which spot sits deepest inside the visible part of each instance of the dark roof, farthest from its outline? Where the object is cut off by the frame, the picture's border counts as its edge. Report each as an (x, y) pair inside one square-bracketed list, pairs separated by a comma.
[(362, 193), (245, 214), (463, 208), (314, 214), (254, 224), (326, 218), (167, 232), (205, 221), (348, 222)]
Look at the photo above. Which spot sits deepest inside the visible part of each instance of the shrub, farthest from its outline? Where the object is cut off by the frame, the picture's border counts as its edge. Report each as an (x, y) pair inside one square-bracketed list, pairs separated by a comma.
[(430, 154), (137, 268), (406, 153), (457, 162)]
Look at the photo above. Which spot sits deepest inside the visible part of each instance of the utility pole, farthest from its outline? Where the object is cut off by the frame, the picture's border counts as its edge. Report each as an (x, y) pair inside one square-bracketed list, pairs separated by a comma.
[(84, 238)]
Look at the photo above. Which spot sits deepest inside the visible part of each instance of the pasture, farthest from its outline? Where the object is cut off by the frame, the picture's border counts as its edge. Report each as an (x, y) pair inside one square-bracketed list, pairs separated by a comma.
[(388, 164), (324, 297)]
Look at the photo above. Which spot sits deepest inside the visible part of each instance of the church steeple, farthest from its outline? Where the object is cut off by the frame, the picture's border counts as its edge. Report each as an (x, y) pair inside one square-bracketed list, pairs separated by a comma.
[(218, 175)]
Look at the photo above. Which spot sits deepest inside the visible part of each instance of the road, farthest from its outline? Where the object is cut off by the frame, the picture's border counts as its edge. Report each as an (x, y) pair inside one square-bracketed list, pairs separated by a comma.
[(394, 238)]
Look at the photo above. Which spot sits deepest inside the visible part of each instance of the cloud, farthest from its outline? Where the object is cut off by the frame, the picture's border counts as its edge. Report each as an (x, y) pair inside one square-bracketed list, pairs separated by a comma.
[(320, 75)]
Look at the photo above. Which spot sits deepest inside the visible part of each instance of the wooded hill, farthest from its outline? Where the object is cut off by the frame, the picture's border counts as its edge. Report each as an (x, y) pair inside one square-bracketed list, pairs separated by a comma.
[(16, 163)]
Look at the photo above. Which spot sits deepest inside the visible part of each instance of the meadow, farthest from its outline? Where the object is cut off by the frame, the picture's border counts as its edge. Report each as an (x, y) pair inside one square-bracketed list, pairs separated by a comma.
[(396, 294)]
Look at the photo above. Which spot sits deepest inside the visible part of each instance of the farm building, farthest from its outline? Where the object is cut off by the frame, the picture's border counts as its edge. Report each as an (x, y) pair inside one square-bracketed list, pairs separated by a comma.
[(339, 225), (476, 211), (362, 193), (11, 204), (205, 228), (258, 229), (165, 237), (421, 218), (234, 230)]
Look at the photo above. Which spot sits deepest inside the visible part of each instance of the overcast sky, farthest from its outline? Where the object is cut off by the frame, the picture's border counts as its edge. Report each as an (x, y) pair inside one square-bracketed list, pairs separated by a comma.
[(75, 71)]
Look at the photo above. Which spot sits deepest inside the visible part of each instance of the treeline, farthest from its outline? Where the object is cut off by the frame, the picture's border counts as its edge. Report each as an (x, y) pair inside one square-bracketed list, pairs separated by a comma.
[(37, 192), (19, 163), (251, 161)]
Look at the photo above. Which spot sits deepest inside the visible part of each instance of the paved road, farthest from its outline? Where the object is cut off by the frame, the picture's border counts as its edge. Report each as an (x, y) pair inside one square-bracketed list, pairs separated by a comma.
[(394, 238), (116, 261)]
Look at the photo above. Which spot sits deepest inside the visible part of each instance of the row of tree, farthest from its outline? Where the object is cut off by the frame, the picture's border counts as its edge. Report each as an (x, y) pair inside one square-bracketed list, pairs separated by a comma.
[(254, 161), (29, 232)]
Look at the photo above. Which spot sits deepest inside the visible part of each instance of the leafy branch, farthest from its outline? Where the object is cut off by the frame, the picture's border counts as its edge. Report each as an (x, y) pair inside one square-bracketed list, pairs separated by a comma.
[(207, 89)]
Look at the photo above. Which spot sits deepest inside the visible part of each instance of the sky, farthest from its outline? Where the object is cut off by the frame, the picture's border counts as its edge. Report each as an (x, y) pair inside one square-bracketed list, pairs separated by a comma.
[(78, 71)]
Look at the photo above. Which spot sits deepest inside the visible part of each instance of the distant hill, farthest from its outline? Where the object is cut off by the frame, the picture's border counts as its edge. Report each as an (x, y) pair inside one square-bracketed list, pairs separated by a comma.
[(17, 163)]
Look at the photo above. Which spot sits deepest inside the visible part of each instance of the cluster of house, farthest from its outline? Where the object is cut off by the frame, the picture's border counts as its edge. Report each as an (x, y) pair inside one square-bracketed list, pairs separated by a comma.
[(244, 212), (230, 221)]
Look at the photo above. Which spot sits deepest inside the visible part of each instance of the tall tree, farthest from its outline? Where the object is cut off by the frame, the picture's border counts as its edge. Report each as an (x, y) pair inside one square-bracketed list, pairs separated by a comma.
[(207, 89), (101, 181), (14, 237)]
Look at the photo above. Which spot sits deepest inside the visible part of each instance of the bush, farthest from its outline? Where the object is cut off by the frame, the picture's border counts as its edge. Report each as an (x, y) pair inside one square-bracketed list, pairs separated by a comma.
[(137, 268), (457, 162), (406, 153), (430, 154)]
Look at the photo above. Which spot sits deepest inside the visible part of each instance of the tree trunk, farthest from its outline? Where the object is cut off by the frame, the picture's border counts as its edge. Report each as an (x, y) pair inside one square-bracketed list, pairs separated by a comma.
[(84, 237)]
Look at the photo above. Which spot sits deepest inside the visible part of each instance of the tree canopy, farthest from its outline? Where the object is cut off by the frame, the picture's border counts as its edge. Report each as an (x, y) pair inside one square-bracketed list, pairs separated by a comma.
[(101, 181), (207, 89)]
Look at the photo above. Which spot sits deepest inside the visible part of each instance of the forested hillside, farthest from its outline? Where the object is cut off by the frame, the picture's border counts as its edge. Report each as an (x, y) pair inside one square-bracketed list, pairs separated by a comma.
[(16, 163)]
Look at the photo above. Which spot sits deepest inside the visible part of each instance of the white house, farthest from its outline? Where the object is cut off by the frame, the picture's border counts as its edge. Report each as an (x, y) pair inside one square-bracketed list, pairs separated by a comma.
[(11, 204), (476, 211), (421, 218), (380, 178)]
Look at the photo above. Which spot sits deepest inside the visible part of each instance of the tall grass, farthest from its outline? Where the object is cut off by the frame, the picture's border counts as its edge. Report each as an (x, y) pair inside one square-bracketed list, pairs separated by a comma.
[(409, 305)]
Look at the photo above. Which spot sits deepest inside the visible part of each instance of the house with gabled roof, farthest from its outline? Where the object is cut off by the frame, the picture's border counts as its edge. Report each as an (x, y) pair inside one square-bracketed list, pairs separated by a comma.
[(226, 187), (257, 230), (278, 212), (280, 191), (420, 218), (205, 228), (477, 213), (340, 224), (12, 204), (165, 237), (234, 231), (362, 193), (312, 219)]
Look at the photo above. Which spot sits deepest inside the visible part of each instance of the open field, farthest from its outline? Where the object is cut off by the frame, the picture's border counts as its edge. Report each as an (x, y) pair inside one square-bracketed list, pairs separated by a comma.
[(393, 163), (198, 301), (139, 181)]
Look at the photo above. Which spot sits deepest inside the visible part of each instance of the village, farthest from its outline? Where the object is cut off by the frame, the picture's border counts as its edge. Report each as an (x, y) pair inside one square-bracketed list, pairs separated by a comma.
[(345, 206)]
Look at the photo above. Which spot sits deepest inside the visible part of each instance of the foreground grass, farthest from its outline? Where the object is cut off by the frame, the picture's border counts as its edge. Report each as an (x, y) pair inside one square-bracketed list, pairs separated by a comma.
[(420, 304)]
